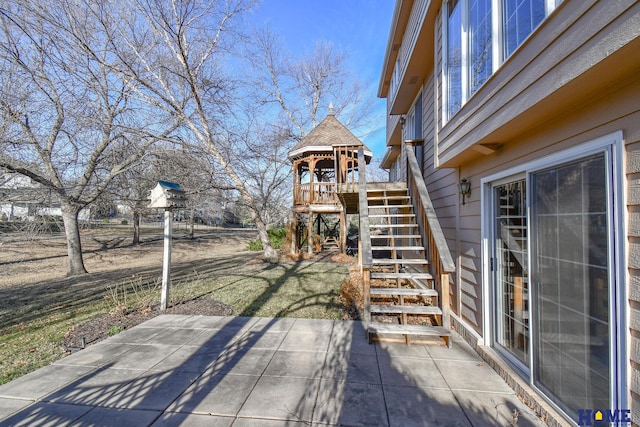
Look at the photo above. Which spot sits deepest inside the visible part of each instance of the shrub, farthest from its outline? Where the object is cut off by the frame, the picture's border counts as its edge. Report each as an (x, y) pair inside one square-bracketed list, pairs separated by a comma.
[(124, 222), (255, 245), (276, 238), (135, 293), (114, 330)]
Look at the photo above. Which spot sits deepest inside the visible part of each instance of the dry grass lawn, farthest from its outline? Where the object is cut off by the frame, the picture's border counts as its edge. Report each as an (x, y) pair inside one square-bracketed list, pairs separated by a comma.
[(39, 304)]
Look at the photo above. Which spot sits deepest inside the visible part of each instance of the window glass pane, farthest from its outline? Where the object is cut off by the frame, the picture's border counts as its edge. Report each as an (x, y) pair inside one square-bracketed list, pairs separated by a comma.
[(417, 108), (511, 276), (569, 245), (454, 58), (520, 18), (479, 42)]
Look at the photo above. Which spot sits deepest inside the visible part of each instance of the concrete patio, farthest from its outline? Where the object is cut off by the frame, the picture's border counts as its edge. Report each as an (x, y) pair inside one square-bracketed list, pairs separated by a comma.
[(238, 371)]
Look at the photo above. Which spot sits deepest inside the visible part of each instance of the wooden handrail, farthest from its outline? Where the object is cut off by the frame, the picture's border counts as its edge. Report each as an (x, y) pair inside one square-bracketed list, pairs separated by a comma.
[(433, 238), (425, 206), (321, 192), (366, 258)]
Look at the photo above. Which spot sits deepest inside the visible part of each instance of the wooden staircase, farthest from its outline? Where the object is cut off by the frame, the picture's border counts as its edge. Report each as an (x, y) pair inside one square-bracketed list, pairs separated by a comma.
[(403, 303)]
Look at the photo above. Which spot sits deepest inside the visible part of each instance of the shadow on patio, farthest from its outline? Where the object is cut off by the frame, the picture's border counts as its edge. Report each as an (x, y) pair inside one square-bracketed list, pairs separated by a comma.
[(194, 370)]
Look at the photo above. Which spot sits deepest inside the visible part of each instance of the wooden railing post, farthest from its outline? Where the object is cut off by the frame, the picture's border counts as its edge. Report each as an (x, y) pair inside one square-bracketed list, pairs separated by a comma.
[(366, 299), (365, 255), (446, 303)]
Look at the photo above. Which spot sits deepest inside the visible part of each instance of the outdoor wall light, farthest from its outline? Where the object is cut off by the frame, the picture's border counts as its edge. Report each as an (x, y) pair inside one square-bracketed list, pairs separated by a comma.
[(465, 188), (402, 120)]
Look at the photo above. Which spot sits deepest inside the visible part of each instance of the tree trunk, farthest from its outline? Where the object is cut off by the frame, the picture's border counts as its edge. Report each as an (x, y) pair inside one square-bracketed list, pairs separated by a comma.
[(192, 223), (74, 245), (136, 227), (268, 252)]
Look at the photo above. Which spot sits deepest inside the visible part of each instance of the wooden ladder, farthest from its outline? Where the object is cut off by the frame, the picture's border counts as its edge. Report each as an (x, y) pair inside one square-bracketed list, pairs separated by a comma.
[(403, 304)]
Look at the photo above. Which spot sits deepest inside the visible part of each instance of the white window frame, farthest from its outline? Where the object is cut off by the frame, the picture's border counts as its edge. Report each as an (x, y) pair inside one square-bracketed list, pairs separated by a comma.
[(497, 55), (613, 144)]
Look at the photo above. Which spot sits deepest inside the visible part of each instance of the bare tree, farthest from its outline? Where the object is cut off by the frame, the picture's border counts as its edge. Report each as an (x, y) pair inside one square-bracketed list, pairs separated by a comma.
[(206, 188), (69, 122), (173, 53), (303, 86), (264, 166)]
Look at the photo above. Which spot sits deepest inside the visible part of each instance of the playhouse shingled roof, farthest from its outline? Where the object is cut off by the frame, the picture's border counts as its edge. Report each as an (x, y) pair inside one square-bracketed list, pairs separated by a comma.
[(327, 133)]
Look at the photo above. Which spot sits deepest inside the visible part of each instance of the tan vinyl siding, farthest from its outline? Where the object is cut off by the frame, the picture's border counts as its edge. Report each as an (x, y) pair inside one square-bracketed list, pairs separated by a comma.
[(617, 109), (633, 233), (441, 184)]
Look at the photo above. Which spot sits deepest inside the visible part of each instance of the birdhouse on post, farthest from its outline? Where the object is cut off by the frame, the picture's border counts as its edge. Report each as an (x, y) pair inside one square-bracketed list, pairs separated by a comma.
[(167, 195)]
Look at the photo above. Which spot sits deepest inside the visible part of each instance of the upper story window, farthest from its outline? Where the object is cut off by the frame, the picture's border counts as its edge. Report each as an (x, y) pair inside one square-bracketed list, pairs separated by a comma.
[(454, 57), (413, 125), (519, 19), (478, 36), (395, 77), (480, 47)]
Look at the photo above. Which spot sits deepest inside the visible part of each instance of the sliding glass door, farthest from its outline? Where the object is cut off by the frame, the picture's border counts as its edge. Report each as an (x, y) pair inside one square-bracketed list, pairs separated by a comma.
[(552, 283), (570, 269)]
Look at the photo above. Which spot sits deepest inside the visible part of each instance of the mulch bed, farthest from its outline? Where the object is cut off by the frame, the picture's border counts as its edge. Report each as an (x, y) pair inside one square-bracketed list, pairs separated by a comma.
[(97, 329)]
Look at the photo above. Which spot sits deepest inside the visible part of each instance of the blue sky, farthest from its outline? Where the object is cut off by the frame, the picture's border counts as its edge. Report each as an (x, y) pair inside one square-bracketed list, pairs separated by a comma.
[(359, 27)]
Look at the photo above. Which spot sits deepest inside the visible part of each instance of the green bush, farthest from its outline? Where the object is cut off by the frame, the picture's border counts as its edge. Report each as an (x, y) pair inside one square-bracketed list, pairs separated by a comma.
[(276, 238), (255, 245), (114, 330), (124, 222)]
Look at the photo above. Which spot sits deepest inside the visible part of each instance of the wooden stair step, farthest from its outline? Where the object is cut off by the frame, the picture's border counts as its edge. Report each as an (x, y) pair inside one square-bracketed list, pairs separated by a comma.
[(414, 276), (390, 206), (387, 186), (377, 261), (406, 292), (390, 197), (396, 236), (405, 309), (397, 248), (393, 225), (405, 215), (385, 328)]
